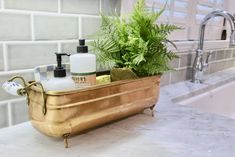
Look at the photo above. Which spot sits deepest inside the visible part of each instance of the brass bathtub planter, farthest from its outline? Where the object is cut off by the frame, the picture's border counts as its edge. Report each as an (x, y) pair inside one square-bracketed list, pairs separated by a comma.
[(60, 114)]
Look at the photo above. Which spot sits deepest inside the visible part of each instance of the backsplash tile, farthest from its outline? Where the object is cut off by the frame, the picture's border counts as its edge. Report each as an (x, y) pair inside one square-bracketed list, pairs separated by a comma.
[(30, 55), (3, 116), (37, 5), (234, 53), (180, 75), (227, 54), (186, 59), (55, 27), (1, 59), (19, 25), (69, 47), (175, 63), (19, 111), (220, 55), (90, 26), (111, 7), (80, 6), (165, 79), (217, 66)]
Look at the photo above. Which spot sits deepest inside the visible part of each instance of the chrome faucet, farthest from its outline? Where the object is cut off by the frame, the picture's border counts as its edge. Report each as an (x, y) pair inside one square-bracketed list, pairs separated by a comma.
[(199, 66)]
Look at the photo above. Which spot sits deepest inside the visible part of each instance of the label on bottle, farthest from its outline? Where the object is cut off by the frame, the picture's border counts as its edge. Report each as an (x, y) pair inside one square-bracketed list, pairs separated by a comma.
[(83, 80)]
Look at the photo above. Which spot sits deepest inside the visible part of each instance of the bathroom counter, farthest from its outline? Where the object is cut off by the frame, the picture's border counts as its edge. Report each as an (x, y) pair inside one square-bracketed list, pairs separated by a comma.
[(175, 131)]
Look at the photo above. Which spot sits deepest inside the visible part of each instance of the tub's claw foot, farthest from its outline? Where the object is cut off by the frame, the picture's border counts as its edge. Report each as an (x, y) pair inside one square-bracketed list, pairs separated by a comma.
[(65, 136), (152, 111)]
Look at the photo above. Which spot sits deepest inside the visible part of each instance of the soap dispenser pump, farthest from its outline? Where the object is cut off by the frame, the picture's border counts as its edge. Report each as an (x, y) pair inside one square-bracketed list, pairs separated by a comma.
[(59, 81), (59, 70), (83, 66)]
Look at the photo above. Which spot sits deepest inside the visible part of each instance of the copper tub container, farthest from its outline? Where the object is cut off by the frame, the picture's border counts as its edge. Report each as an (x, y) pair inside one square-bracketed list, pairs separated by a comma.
[(64, 113)]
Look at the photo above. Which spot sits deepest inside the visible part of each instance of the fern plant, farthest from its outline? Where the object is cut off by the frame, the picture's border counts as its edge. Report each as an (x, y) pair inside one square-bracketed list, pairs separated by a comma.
[(137, 43)]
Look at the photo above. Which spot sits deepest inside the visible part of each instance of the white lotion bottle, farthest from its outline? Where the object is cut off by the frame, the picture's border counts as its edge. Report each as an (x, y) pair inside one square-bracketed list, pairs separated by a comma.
[(60, 82), (83, 66)]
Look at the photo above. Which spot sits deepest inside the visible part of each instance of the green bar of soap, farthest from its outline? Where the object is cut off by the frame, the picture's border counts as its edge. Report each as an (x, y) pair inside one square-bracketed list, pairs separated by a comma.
[(103, 79)]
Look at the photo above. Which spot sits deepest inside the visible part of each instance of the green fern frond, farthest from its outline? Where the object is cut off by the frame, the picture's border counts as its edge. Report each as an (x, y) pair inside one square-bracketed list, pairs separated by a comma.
[(138, 43)]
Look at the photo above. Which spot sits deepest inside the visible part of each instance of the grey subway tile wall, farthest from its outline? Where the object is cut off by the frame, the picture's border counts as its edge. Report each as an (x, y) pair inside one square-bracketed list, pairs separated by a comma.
[(175, 63), (90, 25), (70, 47), (180, 75), (90, 7), (31, 31), (27, 56), (228, 54), (35, 5), (111, 7), (1, 59), (165, 79), (233, 53), (55, 27), (19, 112), (14, 27), (3, 115), (220, 55), (186, 59)]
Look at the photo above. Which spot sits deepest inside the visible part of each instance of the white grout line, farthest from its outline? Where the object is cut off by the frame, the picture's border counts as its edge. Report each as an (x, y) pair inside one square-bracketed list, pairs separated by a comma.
[(179, 63), (59, 50), (28, 12), (221, 60), (3, 103), (169, 78), (186, 53), (100, 6), (12, 100), (16, 72), (9, 114), (2, 4), (9, 11), (182, 68), (32, 27), (59, 6), (38, 41), (5, 57), (79, 27)]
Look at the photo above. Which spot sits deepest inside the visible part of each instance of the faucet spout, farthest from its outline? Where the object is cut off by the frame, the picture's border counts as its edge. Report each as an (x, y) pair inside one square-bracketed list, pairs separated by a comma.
[(232, 39), (198, 68), (213, 14)]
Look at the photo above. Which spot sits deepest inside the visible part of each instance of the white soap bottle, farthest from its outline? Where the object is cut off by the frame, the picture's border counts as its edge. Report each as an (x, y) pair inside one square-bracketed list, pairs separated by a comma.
[(83, 66), (60, 82)]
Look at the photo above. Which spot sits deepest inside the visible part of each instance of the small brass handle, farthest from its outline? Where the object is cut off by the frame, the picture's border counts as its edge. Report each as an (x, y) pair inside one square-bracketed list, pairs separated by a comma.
[(24, 90), (44, 110), (18, 77)]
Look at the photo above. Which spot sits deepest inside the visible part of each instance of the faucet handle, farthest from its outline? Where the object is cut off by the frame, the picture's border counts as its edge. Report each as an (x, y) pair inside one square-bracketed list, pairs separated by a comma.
[(205, 65), (208, 56)]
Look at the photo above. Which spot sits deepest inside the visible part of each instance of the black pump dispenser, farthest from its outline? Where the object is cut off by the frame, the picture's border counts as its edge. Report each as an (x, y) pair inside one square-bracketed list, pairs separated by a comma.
[(59, 70), (82, 48)]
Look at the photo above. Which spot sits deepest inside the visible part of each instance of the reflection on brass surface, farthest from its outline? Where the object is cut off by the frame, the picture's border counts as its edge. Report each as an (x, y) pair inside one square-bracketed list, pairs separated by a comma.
[(72, 112)]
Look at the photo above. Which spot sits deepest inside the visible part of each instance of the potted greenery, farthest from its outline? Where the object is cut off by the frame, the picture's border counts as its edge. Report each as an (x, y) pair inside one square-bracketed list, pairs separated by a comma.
[(137, 44)]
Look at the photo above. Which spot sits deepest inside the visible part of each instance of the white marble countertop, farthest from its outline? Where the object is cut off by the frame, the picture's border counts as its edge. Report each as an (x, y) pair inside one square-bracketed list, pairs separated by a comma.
[(175, 131)]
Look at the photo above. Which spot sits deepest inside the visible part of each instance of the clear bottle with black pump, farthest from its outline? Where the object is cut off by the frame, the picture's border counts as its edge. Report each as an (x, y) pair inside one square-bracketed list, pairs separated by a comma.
[(83, 66), (60, 82)]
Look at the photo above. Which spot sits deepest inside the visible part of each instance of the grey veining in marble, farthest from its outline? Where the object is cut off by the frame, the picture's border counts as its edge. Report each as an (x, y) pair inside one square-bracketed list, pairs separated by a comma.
[(175, 131)]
